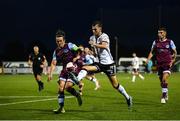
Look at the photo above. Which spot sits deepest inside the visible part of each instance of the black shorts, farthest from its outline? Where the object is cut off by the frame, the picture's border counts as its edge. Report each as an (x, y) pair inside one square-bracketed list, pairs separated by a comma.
[(109, 70), (37, 71), (135, 70), (90, 73)]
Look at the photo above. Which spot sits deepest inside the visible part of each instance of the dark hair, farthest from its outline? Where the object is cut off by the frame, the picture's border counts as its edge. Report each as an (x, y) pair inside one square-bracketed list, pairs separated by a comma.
[(60, 33), (97, 23), (162, 29)]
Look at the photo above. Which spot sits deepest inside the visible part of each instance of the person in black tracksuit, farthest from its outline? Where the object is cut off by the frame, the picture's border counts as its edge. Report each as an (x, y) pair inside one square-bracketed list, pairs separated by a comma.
[(37, 60)]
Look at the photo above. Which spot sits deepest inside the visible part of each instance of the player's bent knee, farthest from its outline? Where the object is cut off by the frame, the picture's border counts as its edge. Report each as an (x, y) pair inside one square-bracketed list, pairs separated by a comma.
[(165, 77), (61, 88)]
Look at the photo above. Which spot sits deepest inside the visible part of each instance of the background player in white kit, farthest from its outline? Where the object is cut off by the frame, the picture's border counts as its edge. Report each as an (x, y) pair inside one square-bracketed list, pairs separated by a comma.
[(90, 59), (101, 44), (135, 65)]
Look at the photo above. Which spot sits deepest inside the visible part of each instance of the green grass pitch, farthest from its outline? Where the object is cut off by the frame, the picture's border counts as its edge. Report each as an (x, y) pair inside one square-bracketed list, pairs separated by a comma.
[(20, 99)]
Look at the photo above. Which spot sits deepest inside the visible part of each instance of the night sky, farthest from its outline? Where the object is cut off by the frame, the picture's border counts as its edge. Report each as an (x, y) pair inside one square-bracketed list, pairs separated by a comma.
[(24, 23)]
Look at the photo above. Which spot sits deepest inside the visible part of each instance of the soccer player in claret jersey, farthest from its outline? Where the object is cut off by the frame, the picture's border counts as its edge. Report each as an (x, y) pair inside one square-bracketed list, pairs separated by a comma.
[(65, 52), (37, 60), (101, 44), (165, 52)]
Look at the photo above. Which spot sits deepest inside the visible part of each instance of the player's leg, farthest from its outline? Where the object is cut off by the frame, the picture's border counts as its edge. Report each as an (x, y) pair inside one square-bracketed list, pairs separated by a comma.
[(40, 83), (164, 85), (37, 74), (140, 76), (160, 74), (83, 73), (72, 71), (71, 90), (85, 70), (110, 72), (134, 75), (94, 79), (164, 73), (91, 77), (120, 89), (81, 85), (61, 97)]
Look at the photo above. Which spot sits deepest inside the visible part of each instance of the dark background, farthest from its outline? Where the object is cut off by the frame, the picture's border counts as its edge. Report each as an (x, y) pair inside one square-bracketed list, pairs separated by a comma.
[(25, 23)]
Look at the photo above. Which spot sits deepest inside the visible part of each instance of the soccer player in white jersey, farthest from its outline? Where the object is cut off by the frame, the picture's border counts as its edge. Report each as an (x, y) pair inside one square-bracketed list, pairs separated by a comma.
[(101, 44), (135, 64)]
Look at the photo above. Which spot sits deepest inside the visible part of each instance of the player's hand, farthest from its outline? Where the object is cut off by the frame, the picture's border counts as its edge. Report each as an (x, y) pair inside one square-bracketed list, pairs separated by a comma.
[(81, 48), (92, 43), (147, 61)]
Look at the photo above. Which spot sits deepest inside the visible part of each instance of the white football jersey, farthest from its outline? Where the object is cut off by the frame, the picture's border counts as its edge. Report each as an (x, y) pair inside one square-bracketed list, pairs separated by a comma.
[(90, 59), (103, 54), (135, 62)]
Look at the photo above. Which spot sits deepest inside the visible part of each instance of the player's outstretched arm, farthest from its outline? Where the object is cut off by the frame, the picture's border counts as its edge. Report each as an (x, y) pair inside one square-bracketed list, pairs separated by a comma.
[(52, 68), (149, 57)]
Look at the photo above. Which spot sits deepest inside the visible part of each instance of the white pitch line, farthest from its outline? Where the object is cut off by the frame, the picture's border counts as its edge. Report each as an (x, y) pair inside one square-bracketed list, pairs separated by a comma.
[(31, 101), (26, 97)]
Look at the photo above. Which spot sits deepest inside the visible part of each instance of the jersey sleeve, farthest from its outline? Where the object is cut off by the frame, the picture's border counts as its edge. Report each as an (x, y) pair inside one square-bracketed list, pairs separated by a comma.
[(105, 38), (92, 38), (72, 47), (54, 56), (87, 58), (93, 58), (172, 45)]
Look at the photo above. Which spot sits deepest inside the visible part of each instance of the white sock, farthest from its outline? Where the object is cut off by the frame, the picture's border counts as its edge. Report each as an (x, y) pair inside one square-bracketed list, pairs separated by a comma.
[(82, 74), (60, 100), (134, 78), (141, 76), (123, 92), (164, 90), (89, 78), (94, 80)]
